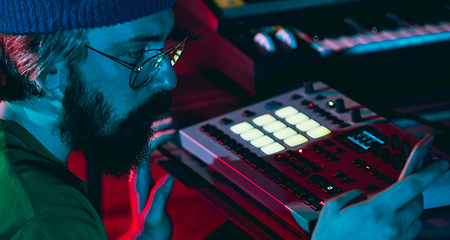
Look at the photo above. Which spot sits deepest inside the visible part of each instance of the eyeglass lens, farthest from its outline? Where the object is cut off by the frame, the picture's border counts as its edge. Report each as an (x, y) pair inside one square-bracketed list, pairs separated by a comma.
[(150, 67)]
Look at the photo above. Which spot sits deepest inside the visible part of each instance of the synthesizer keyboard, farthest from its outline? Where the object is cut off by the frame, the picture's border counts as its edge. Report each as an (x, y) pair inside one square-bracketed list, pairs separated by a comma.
[(295, 151), (388, 38)]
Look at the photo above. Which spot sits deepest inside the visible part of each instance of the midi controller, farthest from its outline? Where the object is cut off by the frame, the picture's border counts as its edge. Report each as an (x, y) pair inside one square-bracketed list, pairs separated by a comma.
[(295, 151)]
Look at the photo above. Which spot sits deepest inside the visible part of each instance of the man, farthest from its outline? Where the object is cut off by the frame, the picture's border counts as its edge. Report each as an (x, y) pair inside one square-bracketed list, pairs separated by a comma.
[(93, 76)]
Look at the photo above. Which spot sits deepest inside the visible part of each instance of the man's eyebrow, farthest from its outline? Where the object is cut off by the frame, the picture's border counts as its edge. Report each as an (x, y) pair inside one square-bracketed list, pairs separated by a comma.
[(143, 38), (139, 39)]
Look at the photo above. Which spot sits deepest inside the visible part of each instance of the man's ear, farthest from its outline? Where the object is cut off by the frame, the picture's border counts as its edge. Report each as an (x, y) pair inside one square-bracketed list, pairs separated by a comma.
[(55, 77)]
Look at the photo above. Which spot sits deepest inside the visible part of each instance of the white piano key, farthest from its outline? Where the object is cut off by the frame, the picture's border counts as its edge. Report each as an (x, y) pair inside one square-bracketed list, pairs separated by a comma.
[(333, 44), (446, 26), (435, 28)]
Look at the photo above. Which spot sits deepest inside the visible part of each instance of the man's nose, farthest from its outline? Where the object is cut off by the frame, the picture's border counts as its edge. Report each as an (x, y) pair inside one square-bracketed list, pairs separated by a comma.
[(165, 79)]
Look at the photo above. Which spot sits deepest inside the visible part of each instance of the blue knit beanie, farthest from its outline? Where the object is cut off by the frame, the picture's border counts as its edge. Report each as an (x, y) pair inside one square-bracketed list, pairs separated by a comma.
[(46, 16)]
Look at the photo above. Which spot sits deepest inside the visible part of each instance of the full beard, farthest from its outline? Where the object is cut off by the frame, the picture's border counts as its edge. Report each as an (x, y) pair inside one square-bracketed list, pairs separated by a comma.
[(112, 145)]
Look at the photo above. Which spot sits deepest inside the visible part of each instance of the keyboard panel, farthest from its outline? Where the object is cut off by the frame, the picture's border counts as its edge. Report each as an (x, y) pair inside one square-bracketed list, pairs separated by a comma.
[(297, 150)]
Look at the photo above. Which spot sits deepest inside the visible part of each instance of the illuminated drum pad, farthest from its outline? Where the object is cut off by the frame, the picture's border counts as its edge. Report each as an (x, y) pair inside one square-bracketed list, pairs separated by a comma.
[(293, 152)]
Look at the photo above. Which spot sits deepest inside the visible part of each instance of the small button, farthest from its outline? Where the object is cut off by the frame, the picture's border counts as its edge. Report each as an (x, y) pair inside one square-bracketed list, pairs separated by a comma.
[(302, 172), (368, 168), (343, 125), (339, 175), (286, 182), (281, 158), (371, 187), (205, 127), (334, 158), (230, 143), (320, 97), (316, 108), (241, 127), (273, 105), (387, 180), (286, 112), (329, 116), (275, 126), (296, 96), (315, 147), (285, 133), (326, 154), (374, 172), (218, 136), (279, 177), (322, 112), (272, 148), (224, 140), (264, 168), (312, 167), (295, 140), (361, 164), (297, 118), (308, 199), (292, 165), (248, 113), (318, 204), (272, 172), (355, 160), (291, 154), (264, 120), (328, 143), (311, 106), (257, 162), (340, 150), (250, 157), (331, 104), (252, 134), (318, 132), (334, 120), (305, 102), (236, 148), (322, 183), (346, 179), (331, 189), (262, 141), (241, 153), (294, 187), (315, 179), (301, 192), (380, 176), (226, 121)]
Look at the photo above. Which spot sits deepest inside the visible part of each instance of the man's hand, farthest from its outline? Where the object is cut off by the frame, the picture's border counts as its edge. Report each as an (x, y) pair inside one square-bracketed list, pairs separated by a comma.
[(392, 214), (150, 220)]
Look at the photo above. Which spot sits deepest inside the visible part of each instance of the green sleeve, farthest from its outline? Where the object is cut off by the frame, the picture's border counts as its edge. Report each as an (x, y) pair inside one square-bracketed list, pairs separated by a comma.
[(56, 227)]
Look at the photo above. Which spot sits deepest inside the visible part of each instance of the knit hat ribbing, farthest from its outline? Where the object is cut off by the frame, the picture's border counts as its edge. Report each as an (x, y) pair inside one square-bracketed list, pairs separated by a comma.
[(46, 16)]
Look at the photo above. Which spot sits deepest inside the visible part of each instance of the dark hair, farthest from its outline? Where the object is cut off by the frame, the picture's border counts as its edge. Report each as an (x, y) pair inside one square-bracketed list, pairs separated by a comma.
[(25, 58)]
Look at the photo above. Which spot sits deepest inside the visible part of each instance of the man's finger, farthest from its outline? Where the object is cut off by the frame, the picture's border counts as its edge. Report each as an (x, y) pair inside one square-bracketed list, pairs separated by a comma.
[(163, 123), (402, 192), (154, 209), (410, 212), (335, 205), (419, 152), (161, 137)]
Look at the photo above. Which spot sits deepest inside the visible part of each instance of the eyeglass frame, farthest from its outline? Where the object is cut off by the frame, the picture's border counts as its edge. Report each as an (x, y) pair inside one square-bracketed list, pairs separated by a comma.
[(133, 68)]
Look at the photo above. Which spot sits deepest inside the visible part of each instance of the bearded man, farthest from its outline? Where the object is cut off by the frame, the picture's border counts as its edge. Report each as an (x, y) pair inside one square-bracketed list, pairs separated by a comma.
[(93, 76)]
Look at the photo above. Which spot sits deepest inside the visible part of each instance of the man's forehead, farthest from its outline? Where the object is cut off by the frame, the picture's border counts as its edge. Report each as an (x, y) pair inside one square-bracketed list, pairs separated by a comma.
[(159, 24)]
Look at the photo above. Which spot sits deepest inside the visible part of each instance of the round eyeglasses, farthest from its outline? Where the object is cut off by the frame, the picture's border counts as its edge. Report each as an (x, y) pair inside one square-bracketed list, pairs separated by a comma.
[(145, 69)]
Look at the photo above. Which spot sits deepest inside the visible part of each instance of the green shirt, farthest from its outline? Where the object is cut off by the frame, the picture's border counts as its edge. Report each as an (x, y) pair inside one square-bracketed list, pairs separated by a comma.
[(39, 197)]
